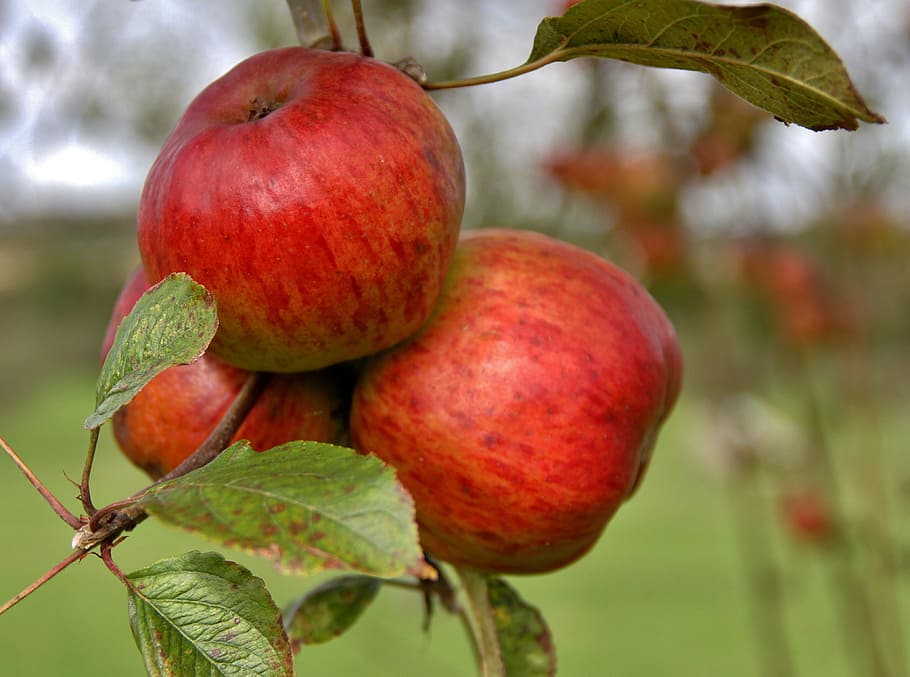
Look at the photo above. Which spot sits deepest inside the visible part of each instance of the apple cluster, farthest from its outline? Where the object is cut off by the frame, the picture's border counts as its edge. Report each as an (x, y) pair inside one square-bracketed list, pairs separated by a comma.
[(516, 383)]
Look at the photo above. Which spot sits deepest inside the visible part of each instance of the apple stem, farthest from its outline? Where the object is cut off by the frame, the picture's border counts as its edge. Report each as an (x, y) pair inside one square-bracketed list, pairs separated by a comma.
[(227, 427), (365, 47), (313, 24), (495, 77), (484, 628), (85, 494), (52, 500), (74, 556)]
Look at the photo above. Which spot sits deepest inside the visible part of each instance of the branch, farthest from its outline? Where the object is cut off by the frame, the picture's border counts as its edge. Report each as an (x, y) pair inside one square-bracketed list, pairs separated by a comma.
[(85, 494), (52, 500), (112, 520), (74, 556)]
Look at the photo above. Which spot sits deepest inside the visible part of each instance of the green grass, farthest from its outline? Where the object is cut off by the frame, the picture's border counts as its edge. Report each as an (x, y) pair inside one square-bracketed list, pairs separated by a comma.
[(663, 593)]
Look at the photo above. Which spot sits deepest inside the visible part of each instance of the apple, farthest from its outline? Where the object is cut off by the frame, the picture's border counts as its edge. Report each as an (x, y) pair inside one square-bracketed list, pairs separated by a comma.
[(639, 186), (806, 305), (525, 411), (318, 196), (807, 516), (174, 413)]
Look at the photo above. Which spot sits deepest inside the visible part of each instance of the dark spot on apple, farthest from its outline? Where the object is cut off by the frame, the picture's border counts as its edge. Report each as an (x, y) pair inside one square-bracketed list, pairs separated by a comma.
[(260, 108), (491, 440), (467, 487), (430, 156)]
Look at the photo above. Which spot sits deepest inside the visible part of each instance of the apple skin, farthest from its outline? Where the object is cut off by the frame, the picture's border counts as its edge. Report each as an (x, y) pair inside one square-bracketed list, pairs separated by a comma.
[(174, 413), (525, 411), (318, 196)]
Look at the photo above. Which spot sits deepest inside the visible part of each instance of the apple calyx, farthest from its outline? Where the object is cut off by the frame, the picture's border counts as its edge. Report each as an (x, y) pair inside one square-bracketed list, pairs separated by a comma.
[(260, 108)]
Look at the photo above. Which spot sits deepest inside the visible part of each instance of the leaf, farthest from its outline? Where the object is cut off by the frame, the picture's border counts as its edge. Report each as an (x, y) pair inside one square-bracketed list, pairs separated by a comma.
[(763, 53), (199, 614), (308, 506), (524, 638), (329, 609), (172, 323)]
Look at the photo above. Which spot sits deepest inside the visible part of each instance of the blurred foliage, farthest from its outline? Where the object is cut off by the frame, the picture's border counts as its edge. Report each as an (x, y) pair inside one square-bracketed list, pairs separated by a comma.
[(780, 256)]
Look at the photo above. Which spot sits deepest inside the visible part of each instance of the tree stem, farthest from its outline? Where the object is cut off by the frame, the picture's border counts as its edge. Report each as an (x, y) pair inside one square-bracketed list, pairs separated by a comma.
[(487, 639)]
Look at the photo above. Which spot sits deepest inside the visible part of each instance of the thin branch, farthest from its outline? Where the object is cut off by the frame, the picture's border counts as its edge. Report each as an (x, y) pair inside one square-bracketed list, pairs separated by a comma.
[(112, 565), (74, 556), (227, 427), (109, 522), (365, 47), (484, 628), (99, 516), (861, 625), (85, 493), (52, 500)]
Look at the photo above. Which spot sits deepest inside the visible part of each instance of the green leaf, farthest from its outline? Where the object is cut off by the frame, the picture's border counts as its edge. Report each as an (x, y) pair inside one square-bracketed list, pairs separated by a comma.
[(524, 638), (199, 614), (308, 506), (763, 53), (172, 323), (329, 609)]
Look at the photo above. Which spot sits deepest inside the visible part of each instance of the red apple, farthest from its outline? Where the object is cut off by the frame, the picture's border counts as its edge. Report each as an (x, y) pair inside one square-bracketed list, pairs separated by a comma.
[(176, 411), (318, 196), (806, 304), (525, 411), (806, 514)]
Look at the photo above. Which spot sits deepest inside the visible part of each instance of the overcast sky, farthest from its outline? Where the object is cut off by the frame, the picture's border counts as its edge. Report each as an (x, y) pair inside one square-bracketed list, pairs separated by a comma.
[(86, 87)]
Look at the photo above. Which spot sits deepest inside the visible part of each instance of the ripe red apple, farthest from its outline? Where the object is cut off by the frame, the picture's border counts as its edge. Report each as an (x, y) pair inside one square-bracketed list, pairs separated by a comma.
[(177, 409), (318, 196), (525, 411)]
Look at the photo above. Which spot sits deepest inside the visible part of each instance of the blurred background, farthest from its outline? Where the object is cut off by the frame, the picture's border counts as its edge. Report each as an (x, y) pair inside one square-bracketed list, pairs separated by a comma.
[(771, 537)]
